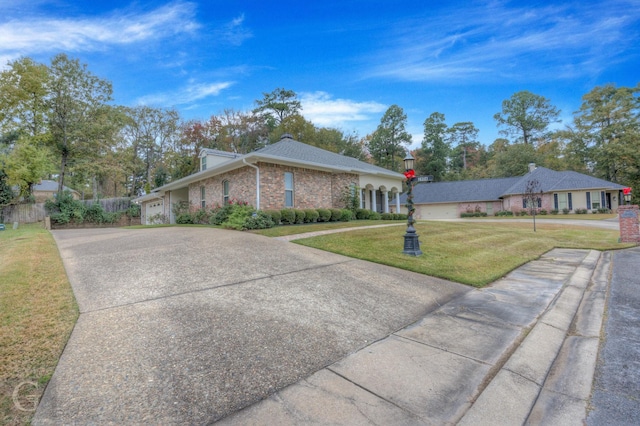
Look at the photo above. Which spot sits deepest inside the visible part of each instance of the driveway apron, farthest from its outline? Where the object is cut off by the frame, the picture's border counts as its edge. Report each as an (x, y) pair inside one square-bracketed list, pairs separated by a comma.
[(187, 325)]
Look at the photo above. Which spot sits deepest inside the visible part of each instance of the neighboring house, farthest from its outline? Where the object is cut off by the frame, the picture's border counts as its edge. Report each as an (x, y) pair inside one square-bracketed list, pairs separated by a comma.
[(48, 189), (560, 190), (287, 174)]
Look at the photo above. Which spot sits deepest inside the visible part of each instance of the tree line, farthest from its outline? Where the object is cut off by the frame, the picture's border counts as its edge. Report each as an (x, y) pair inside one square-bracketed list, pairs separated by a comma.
[(58, 121)]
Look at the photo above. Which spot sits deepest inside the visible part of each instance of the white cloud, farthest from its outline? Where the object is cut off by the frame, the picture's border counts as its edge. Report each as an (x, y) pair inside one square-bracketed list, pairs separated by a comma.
[(31, 34), (322, 110), (191, 93), (496, 40), (234, 32)]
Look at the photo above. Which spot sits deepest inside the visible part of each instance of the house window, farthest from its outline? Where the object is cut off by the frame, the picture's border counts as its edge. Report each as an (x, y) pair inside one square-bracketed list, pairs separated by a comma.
[(525, 202), (202, 197), (288, 189), (225, 192), (589, 201), (203, 163), (560, 201)]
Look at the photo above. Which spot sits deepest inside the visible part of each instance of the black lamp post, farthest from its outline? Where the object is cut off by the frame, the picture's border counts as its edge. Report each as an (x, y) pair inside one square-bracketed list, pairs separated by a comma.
[(626, 193), (411, 242)]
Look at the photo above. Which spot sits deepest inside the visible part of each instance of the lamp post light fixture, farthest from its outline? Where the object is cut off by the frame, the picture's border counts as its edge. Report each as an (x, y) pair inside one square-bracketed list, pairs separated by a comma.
[(626, 193), (411, 242)]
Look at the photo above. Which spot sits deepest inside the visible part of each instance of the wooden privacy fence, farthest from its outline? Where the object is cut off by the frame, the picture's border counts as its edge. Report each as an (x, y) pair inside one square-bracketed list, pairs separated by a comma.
[(31, 213), (23, 213)]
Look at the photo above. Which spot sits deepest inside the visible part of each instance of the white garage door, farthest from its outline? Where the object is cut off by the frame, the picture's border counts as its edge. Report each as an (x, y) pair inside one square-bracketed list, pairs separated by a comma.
[(436, 211), (152, 209)]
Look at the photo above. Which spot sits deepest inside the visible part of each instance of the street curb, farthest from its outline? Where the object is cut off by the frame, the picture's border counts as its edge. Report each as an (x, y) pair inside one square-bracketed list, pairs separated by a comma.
[(547, 380)]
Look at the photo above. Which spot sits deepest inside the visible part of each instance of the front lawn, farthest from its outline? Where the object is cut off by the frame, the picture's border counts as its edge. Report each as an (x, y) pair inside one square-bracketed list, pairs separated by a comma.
[(37, 313), (469, 253)]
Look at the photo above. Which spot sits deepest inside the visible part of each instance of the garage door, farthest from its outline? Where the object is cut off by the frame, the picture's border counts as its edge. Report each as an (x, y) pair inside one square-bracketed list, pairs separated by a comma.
[(436, 211), (152, 210)]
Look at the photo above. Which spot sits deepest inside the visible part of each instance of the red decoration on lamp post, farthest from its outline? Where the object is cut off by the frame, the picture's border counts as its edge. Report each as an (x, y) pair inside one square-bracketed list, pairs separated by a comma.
[(626, 192)]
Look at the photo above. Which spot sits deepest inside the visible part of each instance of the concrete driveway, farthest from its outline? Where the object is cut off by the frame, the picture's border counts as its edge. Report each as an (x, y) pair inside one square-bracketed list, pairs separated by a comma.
[(187, 325)]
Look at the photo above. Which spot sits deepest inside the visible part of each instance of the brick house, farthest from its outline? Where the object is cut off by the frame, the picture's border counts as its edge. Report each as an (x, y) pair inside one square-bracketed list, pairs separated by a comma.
[(47, 189), (560, 190), (287, 174)]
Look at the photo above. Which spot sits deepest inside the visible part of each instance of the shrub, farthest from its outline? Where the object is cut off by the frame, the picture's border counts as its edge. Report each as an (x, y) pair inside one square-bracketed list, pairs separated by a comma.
[(603, 210), (258, 220), (238, 216), (184, 218), (374, 216), (300, 215), (473, 214), (311, 215), (543, 212), (288, 216), (275, 216), (565, 211), (324, 215), (345, 215), (133, 210), (522, 213), (362, 214), (581, 211), (399, 216), (554, 211), (65, 209), (202, 216), (504, 213), (336, 214), (387, 216), (221, 214), (94, 213)]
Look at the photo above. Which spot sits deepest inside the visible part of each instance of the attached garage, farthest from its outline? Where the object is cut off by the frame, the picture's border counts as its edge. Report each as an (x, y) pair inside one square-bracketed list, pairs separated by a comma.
[(436, 211), (153, 209)]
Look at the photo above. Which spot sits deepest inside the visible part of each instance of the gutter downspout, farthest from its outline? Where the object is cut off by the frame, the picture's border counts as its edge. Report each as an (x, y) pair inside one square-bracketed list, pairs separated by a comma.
[(257, 182)]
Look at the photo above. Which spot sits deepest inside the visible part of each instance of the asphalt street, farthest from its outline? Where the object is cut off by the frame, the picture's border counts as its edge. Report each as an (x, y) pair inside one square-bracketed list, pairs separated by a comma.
[(616, 391)]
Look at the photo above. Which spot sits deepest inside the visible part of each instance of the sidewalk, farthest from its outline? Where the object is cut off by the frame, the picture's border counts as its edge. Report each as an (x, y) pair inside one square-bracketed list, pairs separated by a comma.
[(522, 350)]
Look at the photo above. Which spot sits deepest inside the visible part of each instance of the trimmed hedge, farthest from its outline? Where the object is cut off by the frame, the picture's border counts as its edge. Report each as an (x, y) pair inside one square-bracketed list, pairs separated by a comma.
[(288, 216), (324, 215), (311, 216), (345, 215), (275, 216), (300, 215), (336, 214)]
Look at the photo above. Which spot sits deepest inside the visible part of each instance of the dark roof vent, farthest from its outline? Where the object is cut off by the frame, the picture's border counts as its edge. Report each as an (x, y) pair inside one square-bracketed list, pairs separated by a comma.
[(286, 136)]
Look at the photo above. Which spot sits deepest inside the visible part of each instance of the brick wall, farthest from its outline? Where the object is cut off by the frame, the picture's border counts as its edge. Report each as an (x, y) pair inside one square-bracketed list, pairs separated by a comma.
[(242, 187), (629, 228), (312, 188)]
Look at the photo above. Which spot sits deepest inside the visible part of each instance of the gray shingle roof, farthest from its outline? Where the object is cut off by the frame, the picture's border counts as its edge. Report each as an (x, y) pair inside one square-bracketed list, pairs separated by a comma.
[(290, 149), (49, 185), (461, 191), (551, 180), (495, 189)]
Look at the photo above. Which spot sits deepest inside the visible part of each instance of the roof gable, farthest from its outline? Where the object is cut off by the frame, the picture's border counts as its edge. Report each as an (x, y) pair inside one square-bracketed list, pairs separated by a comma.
[(292, 150)]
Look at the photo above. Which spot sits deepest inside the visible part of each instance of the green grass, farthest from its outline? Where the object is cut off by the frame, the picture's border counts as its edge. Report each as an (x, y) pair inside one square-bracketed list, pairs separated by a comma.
[(280, 231), (469, 253), (37, 313)]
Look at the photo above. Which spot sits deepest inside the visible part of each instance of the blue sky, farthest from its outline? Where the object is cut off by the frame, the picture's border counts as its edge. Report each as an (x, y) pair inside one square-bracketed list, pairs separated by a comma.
[(347, 60)]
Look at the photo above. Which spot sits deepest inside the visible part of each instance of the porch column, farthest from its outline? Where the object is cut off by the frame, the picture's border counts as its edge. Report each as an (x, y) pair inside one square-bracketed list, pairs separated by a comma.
[(397, 202), (373, 201), (385, 195)]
